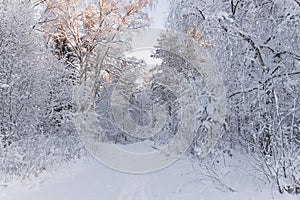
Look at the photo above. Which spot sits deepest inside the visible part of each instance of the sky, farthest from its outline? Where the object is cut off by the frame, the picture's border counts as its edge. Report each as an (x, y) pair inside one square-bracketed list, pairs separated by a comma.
[(159, 13), (143, 39)]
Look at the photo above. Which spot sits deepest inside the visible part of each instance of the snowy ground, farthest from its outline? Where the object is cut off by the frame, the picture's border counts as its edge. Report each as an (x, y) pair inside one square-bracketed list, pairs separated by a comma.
[(90, 180)]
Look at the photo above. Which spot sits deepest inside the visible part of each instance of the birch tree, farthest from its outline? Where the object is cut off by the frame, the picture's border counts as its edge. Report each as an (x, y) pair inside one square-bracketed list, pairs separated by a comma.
[(86, 34)]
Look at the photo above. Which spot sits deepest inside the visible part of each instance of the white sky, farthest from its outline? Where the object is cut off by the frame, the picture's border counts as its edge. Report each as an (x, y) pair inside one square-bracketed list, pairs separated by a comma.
[(159, 13)]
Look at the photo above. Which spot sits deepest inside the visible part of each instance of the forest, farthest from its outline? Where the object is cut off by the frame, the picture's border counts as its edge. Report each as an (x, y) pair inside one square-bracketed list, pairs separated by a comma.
[(227, 87)]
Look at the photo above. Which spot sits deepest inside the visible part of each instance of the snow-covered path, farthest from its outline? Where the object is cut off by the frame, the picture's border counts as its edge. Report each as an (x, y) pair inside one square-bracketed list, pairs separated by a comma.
[(89, 180)]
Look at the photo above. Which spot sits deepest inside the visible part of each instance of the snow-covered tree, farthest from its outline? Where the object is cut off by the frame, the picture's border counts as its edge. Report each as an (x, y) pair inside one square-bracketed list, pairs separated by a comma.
[(90, 37), (33, 84), (87, 33), (256, 46)]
